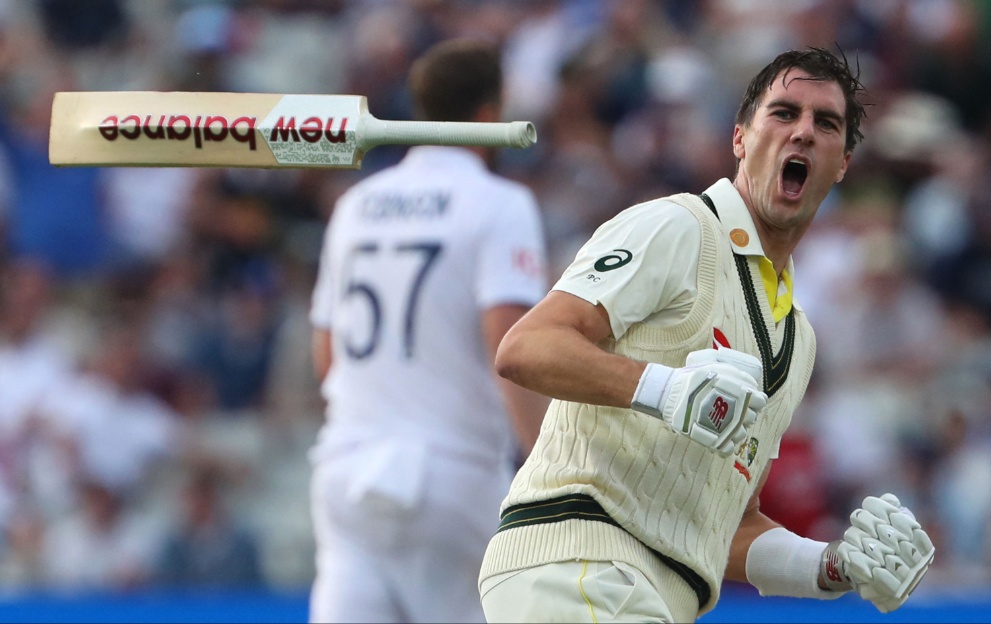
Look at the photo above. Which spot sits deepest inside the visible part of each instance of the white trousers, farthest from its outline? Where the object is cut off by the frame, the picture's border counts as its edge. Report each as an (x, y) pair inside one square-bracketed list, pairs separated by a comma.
[(585, 591), (401, 533)]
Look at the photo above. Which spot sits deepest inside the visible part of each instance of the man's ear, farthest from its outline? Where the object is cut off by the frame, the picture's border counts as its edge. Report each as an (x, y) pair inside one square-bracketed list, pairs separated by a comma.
[(842, 171), (738, 148)]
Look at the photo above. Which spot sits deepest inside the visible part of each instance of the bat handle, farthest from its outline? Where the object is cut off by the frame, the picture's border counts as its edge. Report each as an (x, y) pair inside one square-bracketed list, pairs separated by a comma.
[(372, 132)]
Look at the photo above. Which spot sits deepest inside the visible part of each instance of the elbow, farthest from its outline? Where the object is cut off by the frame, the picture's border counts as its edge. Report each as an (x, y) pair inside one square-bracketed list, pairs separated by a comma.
[(508, 359)]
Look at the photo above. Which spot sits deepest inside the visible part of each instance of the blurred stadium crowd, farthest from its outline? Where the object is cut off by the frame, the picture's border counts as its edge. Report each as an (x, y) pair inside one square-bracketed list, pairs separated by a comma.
[(156, 393)]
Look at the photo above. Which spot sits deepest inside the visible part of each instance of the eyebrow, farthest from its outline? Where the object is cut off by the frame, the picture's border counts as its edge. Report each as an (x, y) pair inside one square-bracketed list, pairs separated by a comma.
[(820, 113)]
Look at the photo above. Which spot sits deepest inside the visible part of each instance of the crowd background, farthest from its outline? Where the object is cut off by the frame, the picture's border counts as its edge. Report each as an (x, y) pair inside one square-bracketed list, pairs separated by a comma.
[(156, 394)]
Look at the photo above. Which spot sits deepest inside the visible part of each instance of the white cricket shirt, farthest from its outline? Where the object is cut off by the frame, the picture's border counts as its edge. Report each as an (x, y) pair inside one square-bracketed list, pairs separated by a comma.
[(656, 244), (413, 256)]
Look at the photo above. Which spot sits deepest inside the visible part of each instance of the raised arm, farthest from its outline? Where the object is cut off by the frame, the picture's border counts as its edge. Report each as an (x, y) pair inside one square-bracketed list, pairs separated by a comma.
[(554, 350)]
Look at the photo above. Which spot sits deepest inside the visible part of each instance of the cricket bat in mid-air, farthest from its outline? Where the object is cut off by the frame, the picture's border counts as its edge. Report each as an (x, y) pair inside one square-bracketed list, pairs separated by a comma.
[(187, 129)]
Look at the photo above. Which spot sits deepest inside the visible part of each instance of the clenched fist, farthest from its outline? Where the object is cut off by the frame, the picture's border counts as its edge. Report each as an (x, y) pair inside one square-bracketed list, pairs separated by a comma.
[(713, 399), (883, 555)]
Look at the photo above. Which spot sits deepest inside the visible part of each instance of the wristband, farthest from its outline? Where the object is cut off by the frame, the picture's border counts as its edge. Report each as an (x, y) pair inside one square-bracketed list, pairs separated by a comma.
[(781, 563), (650, 390)]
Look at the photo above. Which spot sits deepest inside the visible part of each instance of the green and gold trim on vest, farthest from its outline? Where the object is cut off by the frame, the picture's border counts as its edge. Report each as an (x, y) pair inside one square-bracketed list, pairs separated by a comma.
[(584, 507), (775, 366), (574, 507)]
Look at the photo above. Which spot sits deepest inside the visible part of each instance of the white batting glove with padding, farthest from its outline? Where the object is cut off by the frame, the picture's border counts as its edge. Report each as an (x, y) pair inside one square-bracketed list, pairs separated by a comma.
[(883, 555), (713, 399)]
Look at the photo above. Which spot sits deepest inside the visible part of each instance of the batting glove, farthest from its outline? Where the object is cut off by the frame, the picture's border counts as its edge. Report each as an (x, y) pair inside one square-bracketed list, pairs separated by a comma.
[(883, 555), (713, 399)]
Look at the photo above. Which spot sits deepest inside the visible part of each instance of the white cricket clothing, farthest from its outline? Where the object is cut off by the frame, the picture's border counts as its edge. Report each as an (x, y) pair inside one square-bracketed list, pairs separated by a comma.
[(413, 257), (587, 591), (596, 468), (657, 283), (659, 293)]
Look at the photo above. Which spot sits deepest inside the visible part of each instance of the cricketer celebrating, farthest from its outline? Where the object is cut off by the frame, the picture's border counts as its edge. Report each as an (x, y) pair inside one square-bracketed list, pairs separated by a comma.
[(676, 355)]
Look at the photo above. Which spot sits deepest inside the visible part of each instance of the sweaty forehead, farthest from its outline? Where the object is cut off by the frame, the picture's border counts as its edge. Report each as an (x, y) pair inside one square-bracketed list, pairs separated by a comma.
[(794, 82), (797, 85)]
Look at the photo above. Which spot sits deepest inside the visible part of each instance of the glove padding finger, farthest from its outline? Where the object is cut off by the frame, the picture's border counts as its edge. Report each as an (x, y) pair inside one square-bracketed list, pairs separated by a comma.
[(892, 499), (898, 529), (880, 507), (883, 602), (878, 529), (905, 523), (887, 604)]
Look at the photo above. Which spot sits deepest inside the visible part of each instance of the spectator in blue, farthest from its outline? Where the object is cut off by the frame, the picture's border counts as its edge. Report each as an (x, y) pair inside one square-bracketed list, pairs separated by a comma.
[(55, 215), (208, 548), (235, 351)]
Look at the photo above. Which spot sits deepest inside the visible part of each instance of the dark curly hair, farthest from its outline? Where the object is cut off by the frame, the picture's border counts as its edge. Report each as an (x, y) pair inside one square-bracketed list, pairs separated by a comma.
[(821, 65)]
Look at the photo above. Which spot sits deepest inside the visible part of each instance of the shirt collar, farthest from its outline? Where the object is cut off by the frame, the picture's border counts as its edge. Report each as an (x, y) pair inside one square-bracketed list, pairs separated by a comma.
[(736, 222), (437, 155)]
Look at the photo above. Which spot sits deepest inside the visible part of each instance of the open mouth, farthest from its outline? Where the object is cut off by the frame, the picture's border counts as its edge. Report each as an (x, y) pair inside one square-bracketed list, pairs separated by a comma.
[(793, 177)]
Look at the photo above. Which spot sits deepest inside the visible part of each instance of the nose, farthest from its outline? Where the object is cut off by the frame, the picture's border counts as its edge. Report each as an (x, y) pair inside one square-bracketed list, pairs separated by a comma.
[(804, 130)]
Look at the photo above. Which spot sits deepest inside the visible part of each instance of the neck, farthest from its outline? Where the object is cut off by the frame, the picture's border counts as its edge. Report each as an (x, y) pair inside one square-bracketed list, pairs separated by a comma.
[(481, 152), (487, 113), (777, 243)]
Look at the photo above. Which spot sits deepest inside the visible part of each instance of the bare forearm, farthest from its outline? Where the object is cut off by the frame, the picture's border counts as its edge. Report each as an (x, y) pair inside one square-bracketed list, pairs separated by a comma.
[(753, 525), (557, 362)]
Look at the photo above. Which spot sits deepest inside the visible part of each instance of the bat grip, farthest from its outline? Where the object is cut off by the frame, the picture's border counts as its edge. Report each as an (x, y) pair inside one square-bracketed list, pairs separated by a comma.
[(373, 132)]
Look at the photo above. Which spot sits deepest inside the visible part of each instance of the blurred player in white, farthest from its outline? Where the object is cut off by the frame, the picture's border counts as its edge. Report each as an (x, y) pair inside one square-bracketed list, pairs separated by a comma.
[(425, 267)]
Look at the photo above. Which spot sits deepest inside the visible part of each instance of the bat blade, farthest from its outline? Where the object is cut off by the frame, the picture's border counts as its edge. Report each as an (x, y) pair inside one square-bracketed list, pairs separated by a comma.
[(188, 129)]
